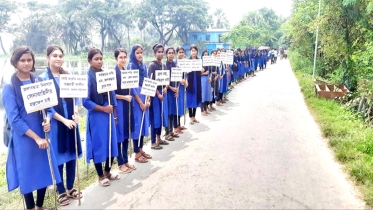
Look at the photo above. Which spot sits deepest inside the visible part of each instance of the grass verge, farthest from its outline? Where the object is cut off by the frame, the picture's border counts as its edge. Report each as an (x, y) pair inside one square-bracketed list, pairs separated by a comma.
[(347, 134)]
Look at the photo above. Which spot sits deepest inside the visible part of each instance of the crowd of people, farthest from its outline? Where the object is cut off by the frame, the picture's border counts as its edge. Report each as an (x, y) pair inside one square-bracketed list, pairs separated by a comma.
[(132, 114)]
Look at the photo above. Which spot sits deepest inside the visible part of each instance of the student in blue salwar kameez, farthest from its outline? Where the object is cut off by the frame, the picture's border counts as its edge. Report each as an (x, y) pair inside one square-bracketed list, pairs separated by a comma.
[(98, 117), (155, 111), (123, 118), (63, 125), (27, 163), (172, 96), (183, 85), (206, 86), (194, 90), (140, 104), (235, 68)]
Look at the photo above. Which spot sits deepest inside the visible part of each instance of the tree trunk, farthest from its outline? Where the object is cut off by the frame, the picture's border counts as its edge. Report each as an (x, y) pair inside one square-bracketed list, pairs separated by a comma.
[(102, 41), (2, 46)]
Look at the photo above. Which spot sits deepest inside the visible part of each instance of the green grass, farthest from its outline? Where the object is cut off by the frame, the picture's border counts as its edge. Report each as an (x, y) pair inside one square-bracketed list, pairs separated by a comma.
[(87, 175), (347, 134)]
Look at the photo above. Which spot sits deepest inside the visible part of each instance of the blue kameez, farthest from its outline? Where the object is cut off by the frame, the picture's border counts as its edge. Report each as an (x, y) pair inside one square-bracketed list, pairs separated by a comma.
[(192, 97), (65, 157), (97, 129), (27, 165)]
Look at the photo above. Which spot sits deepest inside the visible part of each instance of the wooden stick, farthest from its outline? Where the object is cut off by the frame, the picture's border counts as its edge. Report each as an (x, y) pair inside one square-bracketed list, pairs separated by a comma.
[(108, 93), (50, 163), (76, 154), (142, 120), (129, 121), (184, 99)]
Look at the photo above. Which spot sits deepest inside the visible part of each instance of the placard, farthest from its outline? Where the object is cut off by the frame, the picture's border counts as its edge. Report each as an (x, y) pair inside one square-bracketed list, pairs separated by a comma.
[(149, 87), (39, 95), (207, 60), (162, 77), (176, 74), (216, 61), (196, 64), (106, 81), (229, 57), (185, 64), (223, 56), (73, 86), (130, 79)]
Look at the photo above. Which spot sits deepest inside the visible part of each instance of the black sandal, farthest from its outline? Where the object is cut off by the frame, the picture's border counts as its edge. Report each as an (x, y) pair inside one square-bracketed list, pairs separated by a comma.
[(62, 199), (74, 194)]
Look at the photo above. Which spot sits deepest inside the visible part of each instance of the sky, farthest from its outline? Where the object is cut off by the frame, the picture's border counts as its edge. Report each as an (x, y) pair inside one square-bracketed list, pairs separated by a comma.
[(234, 10)]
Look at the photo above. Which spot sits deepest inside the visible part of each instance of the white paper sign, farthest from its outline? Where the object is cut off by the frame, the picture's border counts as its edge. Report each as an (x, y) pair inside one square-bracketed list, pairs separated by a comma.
[(106, 81), (162, 77), (176, 74), (196, 64), (149, 87), (229, 57), (207, 60), (216, 61), (130, 79), (73, 86), (223, 56), (39, 95), (185, 64)]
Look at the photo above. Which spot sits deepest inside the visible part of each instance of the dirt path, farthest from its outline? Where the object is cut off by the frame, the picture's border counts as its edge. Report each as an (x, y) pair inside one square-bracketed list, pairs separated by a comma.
[(261, 150)]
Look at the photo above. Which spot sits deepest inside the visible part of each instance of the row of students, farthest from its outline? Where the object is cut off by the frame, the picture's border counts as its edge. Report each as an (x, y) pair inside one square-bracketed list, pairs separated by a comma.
[(130, 112)]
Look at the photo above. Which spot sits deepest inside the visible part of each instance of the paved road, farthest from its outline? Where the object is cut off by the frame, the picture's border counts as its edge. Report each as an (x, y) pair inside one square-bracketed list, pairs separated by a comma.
[(261, 150)]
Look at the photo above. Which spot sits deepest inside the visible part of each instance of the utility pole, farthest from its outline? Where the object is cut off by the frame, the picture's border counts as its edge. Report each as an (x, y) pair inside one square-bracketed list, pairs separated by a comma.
[(317, 36)]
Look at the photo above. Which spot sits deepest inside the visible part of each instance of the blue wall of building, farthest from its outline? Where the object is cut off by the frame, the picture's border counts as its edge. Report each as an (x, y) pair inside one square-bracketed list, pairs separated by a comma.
[(212, 39)]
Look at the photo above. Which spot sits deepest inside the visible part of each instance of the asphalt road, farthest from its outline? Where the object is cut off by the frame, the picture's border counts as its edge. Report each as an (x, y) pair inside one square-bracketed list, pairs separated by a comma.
[(261, 150)]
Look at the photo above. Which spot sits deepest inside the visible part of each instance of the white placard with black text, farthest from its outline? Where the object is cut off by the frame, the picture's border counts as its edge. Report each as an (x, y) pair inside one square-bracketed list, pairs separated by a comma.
[(149, 87), (73, 86), (130, 79), (106, 81)]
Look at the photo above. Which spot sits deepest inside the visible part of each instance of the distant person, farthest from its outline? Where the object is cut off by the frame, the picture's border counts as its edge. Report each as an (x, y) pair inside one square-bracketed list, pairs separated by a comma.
[(180, 51), (27, 165), (275, 53)]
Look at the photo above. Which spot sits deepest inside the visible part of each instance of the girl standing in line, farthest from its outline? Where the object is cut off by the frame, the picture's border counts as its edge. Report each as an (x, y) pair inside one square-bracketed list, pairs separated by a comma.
[(27, 163), (99, 114), (122, 114), (172, 95), (139, 105), (156, 118), (206, 86), (194, 90), (64, 123), (183, 85)]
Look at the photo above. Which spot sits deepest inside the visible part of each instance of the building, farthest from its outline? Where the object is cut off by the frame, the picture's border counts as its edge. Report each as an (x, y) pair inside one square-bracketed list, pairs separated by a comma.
[(211, 37)]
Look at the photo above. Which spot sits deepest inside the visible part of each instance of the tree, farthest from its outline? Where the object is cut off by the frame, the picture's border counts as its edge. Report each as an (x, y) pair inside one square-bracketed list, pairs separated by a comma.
[(220, 19), (36, 30), (7, 8), (74, 25), (182, 15)]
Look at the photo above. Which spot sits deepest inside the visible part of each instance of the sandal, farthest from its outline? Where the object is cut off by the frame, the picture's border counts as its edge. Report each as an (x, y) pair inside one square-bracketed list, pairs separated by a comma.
[(191, 122), (132, 167), (125, 171), (169, 138), (178, 131), (163, 142), (175, 135), (63, 199), (156, 146), (111, 176), (196, 121), (147, 156), (183, 128), (104, 181), (74, 194), (141, 159)]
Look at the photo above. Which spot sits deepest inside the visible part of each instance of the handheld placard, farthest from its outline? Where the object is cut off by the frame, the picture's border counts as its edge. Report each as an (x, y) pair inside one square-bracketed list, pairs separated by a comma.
[(148, 88)]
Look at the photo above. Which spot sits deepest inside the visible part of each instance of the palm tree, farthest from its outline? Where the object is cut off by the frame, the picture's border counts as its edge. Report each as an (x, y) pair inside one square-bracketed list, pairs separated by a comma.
[(221, 19)]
